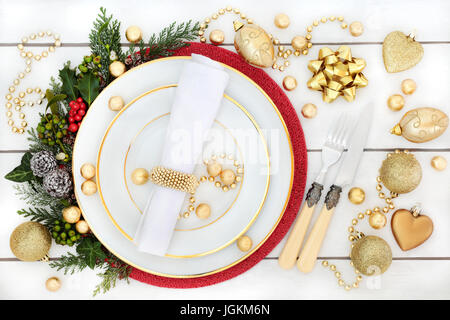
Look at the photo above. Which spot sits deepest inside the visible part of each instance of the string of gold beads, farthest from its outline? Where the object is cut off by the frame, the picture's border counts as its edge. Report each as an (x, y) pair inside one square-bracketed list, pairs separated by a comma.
[(19, 101)]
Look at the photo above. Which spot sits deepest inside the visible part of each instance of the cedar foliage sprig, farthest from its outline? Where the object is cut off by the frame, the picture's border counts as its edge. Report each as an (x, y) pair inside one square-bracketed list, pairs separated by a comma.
[(46, 216)]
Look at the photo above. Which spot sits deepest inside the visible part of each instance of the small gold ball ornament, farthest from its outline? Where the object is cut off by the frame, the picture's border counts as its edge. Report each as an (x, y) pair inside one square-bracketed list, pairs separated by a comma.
[(82, 227), (140, 176), (244, 243), (30, 241), (117, 68), (356, 28), (377, 220), (396, 102), (356, 195), (116, 103), (214, 169), (439, 163), (53, 284), (289, 83), (282, 21), (309, 111), (409, 86), (133, 34), (299, 43), (203, 211), (87, 171), (371, 255), (88, 187), (227, 176), (400, 172), (217, 37), (71, 214)]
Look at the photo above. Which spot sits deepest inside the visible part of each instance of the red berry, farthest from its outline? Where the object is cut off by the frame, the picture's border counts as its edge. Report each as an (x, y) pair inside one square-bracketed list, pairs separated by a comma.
[(79, 100), (71, 120), (76, 106), (73, 127), (71, 103), (77, 117), (81, 112), (72, 112), (83, 106)]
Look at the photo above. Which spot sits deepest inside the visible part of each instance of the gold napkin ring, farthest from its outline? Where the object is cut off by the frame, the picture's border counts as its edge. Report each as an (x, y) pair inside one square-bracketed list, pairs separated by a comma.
[(173, 179)]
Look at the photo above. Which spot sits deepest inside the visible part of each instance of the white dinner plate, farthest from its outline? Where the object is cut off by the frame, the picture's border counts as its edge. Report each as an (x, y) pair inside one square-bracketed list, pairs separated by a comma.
[(163, 72), (135, 139)]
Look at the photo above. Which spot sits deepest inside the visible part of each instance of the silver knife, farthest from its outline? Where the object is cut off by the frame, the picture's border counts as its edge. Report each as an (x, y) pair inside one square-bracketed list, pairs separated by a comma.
[(347, 172)]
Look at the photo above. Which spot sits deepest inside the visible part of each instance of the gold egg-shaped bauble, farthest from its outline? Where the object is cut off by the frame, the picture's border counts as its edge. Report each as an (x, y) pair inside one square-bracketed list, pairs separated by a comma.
[(30, 241), (400, 172), (371, 255), (254, 45), (421, 124)]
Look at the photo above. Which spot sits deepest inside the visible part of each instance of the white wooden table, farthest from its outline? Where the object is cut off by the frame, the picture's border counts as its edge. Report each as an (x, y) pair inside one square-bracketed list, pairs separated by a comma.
[(420, 273)]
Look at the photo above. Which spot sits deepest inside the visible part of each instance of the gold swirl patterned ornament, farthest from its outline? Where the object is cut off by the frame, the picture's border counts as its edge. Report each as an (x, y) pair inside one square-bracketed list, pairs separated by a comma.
[(421, 124), (401, 52), (254, 44)]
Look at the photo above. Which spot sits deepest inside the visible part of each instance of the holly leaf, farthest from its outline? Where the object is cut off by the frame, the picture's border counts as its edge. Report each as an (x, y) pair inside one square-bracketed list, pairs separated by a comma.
[(53, 101), (23, 172), (91, 251), (69, 82), (89, 87)]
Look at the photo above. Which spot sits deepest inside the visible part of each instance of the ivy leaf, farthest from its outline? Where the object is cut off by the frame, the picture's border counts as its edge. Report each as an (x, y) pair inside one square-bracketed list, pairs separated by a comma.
[(53, 101), (26, 160), (69, 80), (91, 251), (23, 172), (89, 87)]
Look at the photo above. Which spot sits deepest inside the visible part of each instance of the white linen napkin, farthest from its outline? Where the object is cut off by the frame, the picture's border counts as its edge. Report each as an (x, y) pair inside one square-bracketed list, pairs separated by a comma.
[(197, 101)]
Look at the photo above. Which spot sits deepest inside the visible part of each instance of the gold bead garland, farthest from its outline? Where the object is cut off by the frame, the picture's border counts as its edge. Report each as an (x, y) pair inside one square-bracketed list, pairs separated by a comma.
[(18, 101)]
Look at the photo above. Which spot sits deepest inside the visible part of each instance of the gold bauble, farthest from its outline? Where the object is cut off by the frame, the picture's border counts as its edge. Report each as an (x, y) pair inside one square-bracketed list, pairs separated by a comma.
[(421, 124), (408, 86), (439, 163), (30, 241), (396, 102), (356, 195), (299, 43), (217, 37), (82, 227), (227, 176), (203, 211), (87, 171), (400, 172), (401, 52), (282, 21), (214, 169), (53, 284), (356, 28), (117, 68), (133, 34), (371, 255), (244, 243), (289, 83), (88, 187), (309, 110), (71, 214), (377, 220), (140, 176), (116, 103), (254, 45)]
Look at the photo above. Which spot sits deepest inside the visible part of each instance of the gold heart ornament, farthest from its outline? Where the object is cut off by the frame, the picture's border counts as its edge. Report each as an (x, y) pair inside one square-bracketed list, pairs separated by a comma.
[(401, 52), (410, 229)]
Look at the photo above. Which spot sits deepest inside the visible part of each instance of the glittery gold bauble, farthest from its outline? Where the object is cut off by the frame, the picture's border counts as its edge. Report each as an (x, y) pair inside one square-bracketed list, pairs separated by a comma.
[(133, 34), (117, 68), (309, 110), (299, 43), (371, 255), (53, 284), (214, 169), (116, 103), (87, 171), (88, 187), (356, 28), (401, 52), (439, 163), (217, 37), (203, 211), (71, 214), (408, 86), (140, 176), (282, 21), (377, 220), (356, 195), (396, 102), (244, 243), (401, 172), (289, 83), (227, 176), (254, 45), (30, 241), (82, 227), (421, 124)]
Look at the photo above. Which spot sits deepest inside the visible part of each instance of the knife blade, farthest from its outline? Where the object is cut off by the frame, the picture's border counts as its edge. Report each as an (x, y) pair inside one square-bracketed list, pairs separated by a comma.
[(352, 157)]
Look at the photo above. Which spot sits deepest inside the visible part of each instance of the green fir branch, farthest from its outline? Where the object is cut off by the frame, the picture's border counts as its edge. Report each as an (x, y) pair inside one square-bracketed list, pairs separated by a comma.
[(45, 216), (110, 277), (34, 195), (70, 263)]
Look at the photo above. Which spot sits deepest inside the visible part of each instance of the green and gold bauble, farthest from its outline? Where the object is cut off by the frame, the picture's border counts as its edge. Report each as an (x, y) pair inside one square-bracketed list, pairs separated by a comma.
[(31, 241)]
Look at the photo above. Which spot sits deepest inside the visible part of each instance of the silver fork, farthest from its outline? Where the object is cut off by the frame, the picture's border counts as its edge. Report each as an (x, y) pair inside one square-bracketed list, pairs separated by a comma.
[(332, 149)]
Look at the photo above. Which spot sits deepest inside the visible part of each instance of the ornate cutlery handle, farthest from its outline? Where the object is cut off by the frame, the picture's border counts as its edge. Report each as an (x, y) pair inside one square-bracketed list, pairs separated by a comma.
[(308, 255)]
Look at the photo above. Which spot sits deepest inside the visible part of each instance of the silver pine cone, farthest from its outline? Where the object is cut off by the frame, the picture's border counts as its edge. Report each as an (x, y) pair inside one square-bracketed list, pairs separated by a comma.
[(42, 163), (58, 183)]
